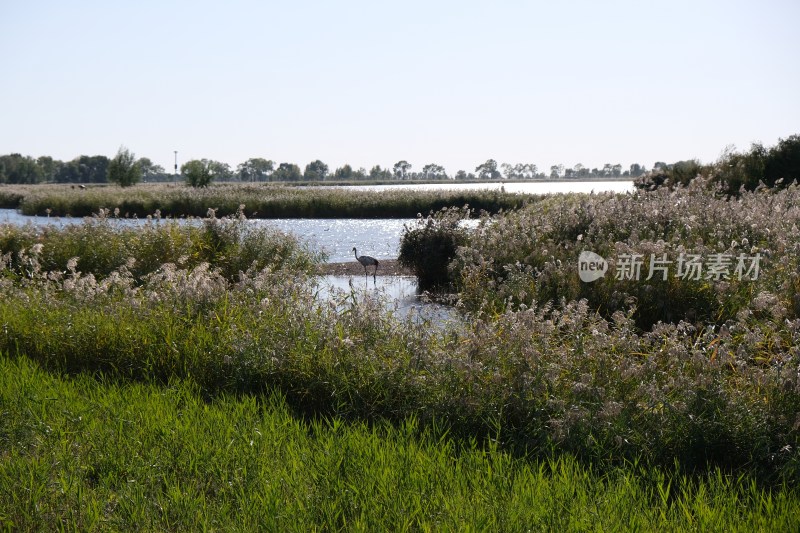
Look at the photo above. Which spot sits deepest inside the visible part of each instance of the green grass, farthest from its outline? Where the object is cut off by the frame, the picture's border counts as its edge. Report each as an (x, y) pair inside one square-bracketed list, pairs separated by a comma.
[(526, 413), (85, 453), (259, 201)]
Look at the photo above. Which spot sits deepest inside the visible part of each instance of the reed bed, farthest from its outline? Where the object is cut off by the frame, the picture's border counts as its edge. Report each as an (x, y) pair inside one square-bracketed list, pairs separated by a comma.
[(531, 255), (260, 201)]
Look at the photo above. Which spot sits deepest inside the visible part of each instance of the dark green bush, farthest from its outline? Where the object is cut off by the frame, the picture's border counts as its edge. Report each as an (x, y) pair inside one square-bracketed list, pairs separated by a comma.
[(734, 171), (430, 246)]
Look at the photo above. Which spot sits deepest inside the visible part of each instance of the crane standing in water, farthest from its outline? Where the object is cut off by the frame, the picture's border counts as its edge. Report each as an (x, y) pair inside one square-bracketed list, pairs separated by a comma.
[(366, 261)]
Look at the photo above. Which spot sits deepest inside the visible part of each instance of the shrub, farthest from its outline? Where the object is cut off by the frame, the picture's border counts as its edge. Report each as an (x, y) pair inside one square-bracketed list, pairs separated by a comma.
[(430, 246), (734, 171)]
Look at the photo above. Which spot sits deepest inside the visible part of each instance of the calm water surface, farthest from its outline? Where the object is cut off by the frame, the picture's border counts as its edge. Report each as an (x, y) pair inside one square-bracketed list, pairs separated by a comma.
[(336, 237), (398, 292), (379, 238), (528, 187)]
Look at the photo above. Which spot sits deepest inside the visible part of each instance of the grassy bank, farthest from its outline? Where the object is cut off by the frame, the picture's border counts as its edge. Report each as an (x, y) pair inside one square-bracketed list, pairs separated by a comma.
[(259, 201), (87, 454)]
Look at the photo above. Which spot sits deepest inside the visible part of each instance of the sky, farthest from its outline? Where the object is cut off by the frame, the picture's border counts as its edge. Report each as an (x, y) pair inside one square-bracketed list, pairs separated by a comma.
[(372, 83)]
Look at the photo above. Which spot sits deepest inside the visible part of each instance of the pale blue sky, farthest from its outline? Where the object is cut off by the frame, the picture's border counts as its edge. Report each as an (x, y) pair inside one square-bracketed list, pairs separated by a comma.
[(365, 83)]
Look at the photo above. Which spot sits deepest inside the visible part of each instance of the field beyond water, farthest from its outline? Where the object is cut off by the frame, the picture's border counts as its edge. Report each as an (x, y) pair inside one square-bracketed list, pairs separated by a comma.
[(258, 201), (186, 376)]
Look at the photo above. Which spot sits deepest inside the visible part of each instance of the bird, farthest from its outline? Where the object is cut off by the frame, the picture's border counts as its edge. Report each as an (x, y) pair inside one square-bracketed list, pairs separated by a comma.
[(365, 261)]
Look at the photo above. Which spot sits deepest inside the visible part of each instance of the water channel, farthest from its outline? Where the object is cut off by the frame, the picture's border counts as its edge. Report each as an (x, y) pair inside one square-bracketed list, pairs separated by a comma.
[(379, 238)]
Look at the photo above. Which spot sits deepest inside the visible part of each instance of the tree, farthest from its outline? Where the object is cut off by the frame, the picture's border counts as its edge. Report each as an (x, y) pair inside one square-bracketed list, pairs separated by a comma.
[(201, 172), (401, 169), (434, 172), (84, 169), (221, 171), (783, 161), (523, 171), (15, 168), (685, 171), (580, 171), (377, 173), (316, 171), (149, 169), (344, 172), (488, 170), (556, 171), (124, 170), (287, 172), (49, 167), (636, 170), (255, 169)]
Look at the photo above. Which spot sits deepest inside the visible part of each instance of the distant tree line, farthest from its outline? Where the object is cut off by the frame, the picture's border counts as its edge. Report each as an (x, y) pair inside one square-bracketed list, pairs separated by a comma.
[(760, 166), (125, 169)]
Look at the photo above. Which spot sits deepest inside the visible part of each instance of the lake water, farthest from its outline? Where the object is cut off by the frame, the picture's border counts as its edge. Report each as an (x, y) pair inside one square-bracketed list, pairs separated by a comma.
[(379, 238), (398, 292), (336, 237), (526, 187)]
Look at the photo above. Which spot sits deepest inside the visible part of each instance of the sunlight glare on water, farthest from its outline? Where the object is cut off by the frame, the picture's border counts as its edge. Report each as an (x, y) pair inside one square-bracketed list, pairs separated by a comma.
[(525, 187), (379, 238), (398, 292)]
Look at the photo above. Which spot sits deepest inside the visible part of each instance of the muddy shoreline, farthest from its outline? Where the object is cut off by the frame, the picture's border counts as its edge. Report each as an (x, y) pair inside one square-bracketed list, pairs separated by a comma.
[(387, 267)]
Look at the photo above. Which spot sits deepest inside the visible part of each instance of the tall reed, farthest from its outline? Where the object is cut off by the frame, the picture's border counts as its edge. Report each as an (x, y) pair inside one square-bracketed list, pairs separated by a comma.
[(260, 201)]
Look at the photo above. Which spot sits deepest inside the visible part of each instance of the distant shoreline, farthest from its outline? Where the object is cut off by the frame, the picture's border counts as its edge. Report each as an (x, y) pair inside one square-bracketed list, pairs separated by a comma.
[(432, 182)]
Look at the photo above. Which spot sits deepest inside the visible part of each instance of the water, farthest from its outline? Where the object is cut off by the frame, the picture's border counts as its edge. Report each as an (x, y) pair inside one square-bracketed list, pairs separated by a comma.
[(399, 292), (379, 238), (10, 216), (527, 187)]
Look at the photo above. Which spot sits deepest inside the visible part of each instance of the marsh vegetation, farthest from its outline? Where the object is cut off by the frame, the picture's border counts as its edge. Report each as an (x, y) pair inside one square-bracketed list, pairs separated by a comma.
[(259, 201), (672, 402)]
